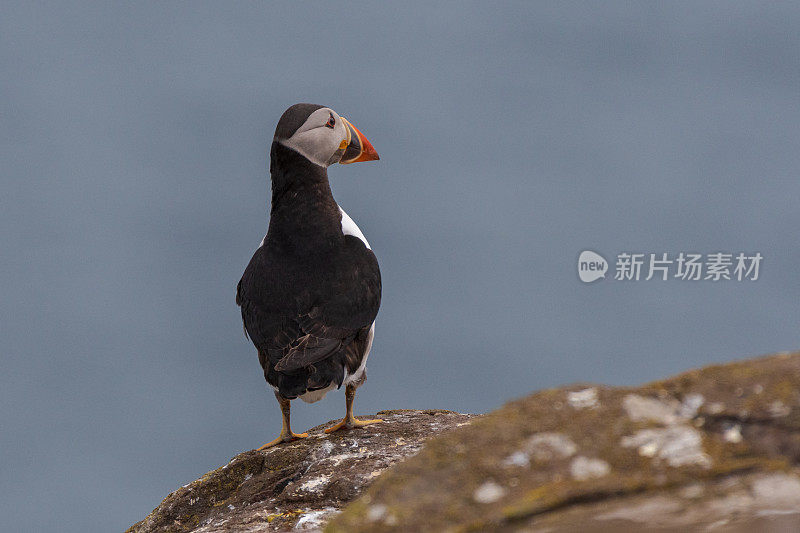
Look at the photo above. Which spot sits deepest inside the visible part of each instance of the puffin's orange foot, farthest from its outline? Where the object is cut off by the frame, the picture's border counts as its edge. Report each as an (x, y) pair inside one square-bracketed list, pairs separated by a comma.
[(352, 423), (289, 437)]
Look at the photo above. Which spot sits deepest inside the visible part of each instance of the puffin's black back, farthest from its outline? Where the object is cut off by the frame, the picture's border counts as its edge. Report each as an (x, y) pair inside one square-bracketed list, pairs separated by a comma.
[(310, 294)]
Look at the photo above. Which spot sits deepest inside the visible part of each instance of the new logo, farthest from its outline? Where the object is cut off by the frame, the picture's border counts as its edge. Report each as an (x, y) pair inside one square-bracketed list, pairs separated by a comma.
[(591, 266)]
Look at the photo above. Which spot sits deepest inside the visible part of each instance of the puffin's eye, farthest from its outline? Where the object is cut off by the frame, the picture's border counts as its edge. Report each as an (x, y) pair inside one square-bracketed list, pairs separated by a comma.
[(331, 122)]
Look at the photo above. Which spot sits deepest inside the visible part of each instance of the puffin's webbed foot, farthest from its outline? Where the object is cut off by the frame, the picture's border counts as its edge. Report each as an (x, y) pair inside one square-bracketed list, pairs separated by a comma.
[(351, 423), (283, 437), (287, 435)]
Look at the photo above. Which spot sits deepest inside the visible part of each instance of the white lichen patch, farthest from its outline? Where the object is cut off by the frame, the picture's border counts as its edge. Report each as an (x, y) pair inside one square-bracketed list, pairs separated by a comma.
[(583, 399), (542, 447), (690, 405), (517, 459), (732, 434), (582, 468), (315, 484), (489, 492), (315, 520), (549, 445), (778, 409), (677, 445), (380, 513), (376, 512), (641, 408), (778, 491), (692, 492), (649, 449)]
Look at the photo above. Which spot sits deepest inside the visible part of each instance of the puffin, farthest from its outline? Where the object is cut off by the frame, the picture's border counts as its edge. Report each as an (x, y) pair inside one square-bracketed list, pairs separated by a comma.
[(310, 294)]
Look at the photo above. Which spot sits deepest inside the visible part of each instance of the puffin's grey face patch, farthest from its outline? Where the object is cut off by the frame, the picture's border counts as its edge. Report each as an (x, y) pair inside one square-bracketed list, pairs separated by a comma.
[(319, 139)]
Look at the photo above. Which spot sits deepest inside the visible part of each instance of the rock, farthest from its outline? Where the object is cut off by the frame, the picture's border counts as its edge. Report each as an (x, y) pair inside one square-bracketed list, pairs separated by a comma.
[(710, 449), (298, 485), (716, 448)]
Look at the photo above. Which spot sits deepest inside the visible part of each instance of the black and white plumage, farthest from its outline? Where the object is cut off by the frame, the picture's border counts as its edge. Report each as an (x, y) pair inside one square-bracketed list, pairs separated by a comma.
[(312, 290)]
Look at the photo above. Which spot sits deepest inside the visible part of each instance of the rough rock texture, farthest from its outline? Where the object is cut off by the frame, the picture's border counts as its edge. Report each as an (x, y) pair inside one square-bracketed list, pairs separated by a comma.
[(300, 484), (717, 448), (711, 449)]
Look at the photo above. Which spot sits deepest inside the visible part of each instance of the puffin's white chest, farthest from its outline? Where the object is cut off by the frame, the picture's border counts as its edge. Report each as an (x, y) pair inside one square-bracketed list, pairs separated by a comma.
[(350, 228)]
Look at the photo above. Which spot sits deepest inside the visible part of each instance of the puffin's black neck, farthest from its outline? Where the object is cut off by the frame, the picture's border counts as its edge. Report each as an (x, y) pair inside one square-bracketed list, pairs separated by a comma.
[(303, 210)]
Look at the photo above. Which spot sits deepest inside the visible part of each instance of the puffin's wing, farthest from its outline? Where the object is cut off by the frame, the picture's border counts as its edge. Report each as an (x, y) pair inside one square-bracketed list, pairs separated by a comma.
[(313, 341), (293, 342)]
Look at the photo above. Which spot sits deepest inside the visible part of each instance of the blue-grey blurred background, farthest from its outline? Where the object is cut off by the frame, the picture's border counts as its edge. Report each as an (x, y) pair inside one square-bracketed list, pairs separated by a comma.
[(134, 151)]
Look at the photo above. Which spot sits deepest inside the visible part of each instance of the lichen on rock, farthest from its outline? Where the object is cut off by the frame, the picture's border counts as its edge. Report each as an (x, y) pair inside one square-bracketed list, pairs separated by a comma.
[(298, 485), (714, 447), (717, 447)]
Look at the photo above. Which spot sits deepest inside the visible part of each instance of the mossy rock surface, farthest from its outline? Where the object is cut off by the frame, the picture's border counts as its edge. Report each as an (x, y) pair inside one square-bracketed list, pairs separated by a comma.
[(717, 447), (298, 484)]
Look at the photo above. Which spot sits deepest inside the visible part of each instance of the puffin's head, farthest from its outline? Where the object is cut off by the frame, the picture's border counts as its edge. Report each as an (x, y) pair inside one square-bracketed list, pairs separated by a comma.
[(322, 136)]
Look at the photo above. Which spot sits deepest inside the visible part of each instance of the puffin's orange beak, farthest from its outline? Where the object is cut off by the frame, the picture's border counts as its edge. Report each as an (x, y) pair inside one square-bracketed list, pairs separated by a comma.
[(357, 148)]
